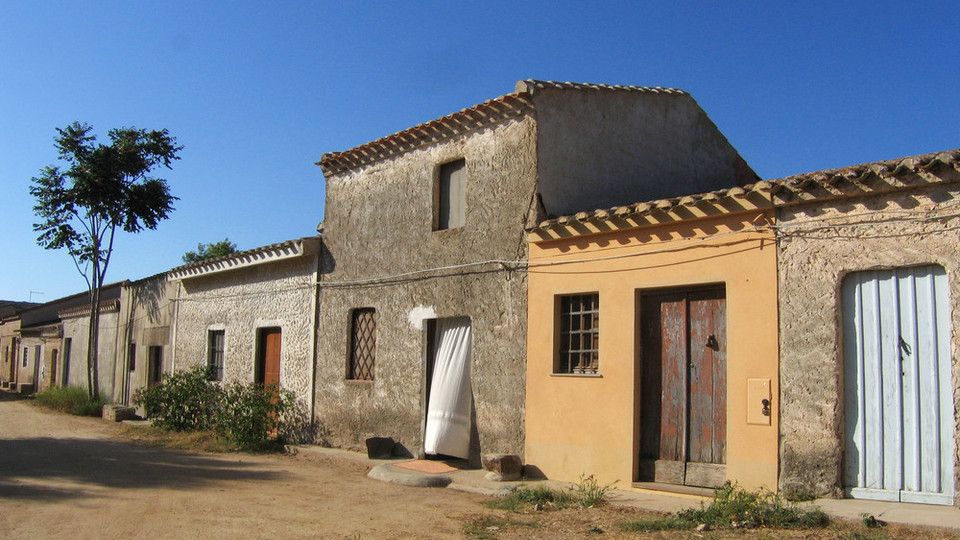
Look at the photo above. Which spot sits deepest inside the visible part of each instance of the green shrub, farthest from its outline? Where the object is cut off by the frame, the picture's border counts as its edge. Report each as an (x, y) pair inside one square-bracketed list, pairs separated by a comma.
[(251, 416), (183, 401), (733, 507), (72, 400)]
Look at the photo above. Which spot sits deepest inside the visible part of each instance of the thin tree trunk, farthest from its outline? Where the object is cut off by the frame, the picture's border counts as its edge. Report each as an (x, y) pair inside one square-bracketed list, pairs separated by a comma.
[(93, 382)]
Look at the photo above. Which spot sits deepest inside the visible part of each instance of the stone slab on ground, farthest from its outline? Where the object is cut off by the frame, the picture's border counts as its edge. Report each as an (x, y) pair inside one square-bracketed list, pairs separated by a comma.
[(388, 472), (118, 413)]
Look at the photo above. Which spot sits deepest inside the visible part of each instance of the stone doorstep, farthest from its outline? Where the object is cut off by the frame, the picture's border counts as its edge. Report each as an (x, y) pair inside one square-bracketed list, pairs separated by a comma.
[(473, 481)]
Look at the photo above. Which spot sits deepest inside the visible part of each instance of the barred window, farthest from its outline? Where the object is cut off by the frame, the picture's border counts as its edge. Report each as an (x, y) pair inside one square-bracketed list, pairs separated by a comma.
[(363, 344), (579, 333), (215, 355)]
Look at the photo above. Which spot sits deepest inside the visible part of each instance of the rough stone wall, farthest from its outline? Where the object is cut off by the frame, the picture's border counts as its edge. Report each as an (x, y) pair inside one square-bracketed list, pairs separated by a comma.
[(78, 330), (278, 294), (378, 223), (819, 245), (603, 149)]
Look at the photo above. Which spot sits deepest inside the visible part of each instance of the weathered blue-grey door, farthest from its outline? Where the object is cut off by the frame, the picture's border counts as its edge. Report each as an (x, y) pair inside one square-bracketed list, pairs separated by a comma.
[(898, 391)]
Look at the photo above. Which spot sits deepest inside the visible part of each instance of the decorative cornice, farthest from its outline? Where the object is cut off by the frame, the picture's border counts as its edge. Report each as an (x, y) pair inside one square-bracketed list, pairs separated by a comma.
[(262, 255)]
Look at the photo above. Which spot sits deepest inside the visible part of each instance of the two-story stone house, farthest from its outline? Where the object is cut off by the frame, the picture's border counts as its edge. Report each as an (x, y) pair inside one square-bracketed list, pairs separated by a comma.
[(423, 293)]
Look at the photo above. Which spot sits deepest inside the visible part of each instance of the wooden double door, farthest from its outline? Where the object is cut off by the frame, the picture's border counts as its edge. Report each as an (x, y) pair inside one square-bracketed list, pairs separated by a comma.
[(683, 387)]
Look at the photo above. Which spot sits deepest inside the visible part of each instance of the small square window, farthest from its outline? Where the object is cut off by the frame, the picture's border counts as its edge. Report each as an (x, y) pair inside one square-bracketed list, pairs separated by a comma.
[(363, 344), (450, 198), (215, 340), (579, 334)]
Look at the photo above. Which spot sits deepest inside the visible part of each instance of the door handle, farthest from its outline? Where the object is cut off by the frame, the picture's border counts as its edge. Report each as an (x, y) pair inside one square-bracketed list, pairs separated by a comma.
[(712, 343), (765, 407)]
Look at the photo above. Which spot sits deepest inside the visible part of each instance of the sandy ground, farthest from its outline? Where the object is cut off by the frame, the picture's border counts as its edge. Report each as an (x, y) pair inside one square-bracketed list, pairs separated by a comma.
[(68, 477)]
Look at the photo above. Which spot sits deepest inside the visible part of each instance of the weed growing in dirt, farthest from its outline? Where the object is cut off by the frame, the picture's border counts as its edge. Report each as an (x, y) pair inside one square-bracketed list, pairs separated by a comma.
[(70, 399), (488, 527), (735, 508), (587, 493)]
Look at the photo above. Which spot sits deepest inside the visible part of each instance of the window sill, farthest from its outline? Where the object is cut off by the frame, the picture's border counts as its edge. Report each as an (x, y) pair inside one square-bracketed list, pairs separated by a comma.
[(358, 382), (577, 375)]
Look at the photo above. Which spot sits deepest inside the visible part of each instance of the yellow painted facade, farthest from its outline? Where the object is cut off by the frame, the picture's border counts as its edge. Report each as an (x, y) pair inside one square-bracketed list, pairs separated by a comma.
[(589, 424)]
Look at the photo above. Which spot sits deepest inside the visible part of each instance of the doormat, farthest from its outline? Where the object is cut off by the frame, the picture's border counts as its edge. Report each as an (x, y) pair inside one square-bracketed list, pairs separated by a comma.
[(427, 466)]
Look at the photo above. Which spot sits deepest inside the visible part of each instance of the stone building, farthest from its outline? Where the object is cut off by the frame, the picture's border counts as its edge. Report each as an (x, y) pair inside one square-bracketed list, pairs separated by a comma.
[(424, 230), (75, 333), (247, 316), (145, 318), (869, 279), (652, 343), (44, 360), (9, 341)]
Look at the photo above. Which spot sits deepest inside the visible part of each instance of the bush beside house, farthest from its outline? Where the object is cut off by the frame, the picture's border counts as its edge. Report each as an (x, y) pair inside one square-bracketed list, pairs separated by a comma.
[(249, 417)]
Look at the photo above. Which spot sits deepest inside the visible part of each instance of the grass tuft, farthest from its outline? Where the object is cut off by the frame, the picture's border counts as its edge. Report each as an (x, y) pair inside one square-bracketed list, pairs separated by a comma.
[(736, 508), (70, 399), (587, 493)]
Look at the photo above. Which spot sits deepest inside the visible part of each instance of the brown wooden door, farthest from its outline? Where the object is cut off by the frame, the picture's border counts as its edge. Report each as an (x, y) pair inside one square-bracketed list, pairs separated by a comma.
[(683, 387), (268, 361)]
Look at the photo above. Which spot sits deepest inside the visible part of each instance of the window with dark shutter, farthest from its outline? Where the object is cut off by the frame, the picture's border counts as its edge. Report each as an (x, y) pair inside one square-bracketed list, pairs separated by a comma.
[(451, 195), (579, 334), (155, 365), (215, 355), (363, 344)]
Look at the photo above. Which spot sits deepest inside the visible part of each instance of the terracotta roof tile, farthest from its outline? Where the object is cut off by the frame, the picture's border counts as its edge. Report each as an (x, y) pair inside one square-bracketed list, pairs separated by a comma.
[(489, 112), (483, 114), (827, 184)]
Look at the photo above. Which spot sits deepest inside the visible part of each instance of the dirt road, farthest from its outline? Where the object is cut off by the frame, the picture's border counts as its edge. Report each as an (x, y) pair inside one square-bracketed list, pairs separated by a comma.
[(69, 477)]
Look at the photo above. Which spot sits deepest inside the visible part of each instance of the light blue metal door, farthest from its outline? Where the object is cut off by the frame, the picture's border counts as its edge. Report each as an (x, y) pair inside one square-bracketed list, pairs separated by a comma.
[(898, 392)]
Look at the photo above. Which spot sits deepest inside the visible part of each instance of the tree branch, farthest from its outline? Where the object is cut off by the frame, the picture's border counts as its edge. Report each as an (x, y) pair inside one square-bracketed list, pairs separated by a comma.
[(106, 260)]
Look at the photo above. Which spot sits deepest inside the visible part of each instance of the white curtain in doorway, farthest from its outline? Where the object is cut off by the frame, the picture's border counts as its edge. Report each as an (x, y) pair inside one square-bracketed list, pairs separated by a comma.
[(448, 413)]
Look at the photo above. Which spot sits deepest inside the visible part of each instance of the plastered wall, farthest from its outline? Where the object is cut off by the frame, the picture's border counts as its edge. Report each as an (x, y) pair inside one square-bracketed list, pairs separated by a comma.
[(276, 294), (603, 149), (78, 330), (146, 319), (589, 424)]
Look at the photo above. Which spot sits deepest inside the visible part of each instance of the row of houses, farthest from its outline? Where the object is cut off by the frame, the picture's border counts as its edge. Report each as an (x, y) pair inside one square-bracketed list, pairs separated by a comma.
[(592, 278)]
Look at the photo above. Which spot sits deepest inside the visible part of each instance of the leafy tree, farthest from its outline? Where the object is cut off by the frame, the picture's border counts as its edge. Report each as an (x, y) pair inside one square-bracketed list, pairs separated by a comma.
[(210, 251), (103, 188)]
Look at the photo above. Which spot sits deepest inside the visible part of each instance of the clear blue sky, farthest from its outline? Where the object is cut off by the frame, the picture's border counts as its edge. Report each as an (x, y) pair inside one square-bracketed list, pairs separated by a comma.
[(257, 91)]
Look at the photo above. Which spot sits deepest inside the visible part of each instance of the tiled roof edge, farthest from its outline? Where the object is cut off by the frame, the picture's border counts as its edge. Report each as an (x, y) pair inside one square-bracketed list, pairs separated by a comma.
[(196, 268), (795, 189), (492, 111), (529, 86), (463, 121)]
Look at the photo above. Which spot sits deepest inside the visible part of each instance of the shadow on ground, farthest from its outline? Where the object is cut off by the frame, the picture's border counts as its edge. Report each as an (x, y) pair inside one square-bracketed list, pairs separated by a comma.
[(32, 468), (6, 395)]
